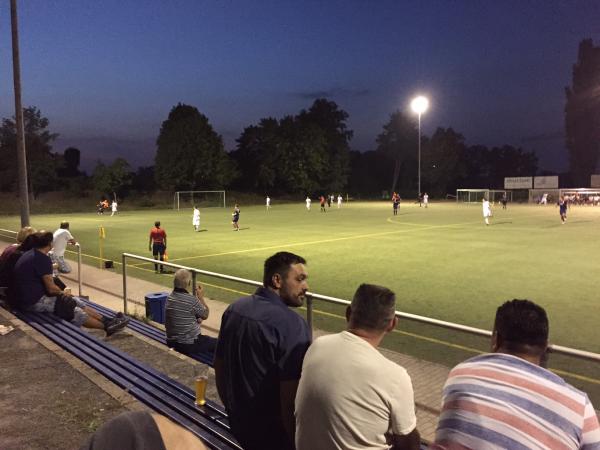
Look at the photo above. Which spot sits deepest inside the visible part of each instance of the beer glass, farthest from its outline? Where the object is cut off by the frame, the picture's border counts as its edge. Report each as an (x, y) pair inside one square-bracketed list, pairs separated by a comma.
[(200, 382)]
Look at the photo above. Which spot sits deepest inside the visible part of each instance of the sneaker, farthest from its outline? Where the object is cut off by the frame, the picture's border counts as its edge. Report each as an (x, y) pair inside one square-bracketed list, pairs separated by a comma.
[(116, 324)]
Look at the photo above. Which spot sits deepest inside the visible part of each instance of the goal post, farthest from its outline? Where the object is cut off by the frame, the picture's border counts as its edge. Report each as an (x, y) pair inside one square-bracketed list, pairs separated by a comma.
[(203, 199), (471, 195)]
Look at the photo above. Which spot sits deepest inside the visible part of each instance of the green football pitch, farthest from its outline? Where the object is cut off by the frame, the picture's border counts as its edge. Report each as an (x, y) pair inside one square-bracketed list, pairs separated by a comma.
[(443, 262)]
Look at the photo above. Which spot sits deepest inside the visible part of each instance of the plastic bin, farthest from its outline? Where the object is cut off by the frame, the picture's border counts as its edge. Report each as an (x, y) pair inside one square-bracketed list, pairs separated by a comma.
[(155, 306)]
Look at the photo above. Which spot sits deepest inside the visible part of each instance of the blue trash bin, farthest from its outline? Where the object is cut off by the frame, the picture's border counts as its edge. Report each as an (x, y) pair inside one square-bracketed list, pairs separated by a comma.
[(155, 306)]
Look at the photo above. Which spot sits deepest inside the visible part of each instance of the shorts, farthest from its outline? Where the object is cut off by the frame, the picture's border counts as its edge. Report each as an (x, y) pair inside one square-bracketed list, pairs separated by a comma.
[(46, 305), (158, 248)]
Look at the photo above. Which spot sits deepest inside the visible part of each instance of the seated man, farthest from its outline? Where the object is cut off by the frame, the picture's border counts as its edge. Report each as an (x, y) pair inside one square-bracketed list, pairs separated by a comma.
[(350, 396), (183, 315), (506, 399), (35, 290), (21, 235)]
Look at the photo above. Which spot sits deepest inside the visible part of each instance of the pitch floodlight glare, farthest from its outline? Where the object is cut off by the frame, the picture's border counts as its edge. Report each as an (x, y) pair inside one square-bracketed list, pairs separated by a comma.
[(419, 104)]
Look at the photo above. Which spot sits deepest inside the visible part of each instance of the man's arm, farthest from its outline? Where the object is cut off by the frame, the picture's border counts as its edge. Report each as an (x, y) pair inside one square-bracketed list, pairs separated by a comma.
[(203, 311), (410, 441), (287, 397), (51, 288), (220, 377)]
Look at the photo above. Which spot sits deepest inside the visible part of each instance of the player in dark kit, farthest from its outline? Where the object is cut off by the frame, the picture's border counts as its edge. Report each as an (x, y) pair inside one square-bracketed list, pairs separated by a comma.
[(562, 207), (503, 200), (395, 203), (235, 217)]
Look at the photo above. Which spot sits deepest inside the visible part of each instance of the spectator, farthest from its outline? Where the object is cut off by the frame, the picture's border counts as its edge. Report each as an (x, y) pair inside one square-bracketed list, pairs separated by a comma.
[(7, 270), (506, 399), (62, 237), (158, 244), (350, 396), (141, 430), (259, 355), (36, 291), (21, 235), (184, 313)]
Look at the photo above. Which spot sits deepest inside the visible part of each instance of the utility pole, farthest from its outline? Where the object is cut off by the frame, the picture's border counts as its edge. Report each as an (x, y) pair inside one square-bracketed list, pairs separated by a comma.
[(20, 131)]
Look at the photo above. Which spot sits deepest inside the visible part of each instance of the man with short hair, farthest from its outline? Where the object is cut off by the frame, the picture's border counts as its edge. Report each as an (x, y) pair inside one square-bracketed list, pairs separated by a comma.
[(36, 290), (158, 244), (350, 396), (258, 360), (62, 237), (183, 314), (506, 399)]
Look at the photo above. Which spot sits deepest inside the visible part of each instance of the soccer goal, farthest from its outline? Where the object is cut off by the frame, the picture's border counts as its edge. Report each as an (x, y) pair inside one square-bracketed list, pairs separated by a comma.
[(471, 195), (202, 199), (544, 196)]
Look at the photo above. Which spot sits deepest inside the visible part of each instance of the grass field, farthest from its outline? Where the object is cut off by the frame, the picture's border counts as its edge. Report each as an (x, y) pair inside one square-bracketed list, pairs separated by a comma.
[(442, 262)]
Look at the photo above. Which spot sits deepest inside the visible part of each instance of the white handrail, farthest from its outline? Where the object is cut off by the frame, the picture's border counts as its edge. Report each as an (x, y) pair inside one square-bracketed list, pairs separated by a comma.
[(338, 301)]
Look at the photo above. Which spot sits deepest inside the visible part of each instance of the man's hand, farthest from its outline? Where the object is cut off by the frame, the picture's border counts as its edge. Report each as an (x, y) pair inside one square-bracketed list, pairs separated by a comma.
[(199, 292)]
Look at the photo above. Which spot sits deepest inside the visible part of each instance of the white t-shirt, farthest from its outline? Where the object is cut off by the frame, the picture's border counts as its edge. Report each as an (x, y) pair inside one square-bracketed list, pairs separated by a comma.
[(339, 199), (196, 217), (114, 206), (487, 212), (268, 201), (350, 396), (62, 237), (425, 198), (308, 200)]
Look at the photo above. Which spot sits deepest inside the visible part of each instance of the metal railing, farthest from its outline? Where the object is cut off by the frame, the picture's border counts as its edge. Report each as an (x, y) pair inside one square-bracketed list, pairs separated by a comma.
[(13, 234), (311, 296)]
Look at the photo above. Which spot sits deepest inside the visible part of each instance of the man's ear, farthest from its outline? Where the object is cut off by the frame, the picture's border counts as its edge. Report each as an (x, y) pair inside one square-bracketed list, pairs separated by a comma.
[(276, 281), (495, 344), (392, 324)]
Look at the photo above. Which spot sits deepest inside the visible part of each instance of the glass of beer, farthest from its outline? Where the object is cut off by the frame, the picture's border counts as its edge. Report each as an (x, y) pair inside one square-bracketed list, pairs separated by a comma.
[(200, 382)]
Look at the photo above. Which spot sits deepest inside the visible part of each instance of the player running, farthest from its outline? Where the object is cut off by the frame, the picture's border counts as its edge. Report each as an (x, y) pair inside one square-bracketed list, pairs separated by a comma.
[(562, 208), (235, 218), (308, 202)]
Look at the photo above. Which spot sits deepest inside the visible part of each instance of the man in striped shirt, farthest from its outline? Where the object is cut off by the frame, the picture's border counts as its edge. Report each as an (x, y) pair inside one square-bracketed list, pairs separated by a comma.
[(507, 400), (183, 314)]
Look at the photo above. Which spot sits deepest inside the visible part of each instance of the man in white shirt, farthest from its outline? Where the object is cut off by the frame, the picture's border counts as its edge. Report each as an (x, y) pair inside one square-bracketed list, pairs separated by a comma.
[(113, 207), (196, 219), (487, 210), (268, 202), (61, 238), (308, 202), (339, 201), (350, 396)]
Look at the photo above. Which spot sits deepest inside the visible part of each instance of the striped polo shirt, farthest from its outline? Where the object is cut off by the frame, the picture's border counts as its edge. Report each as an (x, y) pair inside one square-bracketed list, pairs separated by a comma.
[(181, 316), (500, 401)]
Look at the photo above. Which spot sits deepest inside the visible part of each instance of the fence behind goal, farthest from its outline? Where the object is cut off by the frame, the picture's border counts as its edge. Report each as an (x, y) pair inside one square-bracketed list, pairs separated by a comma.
[(201, 199)]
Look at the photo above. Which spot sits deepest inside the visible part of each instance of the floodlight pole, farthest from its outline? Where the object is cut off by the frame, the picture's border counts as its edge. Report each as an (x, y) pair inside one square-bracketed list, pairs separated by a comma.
[(419, 192), (20, 131)]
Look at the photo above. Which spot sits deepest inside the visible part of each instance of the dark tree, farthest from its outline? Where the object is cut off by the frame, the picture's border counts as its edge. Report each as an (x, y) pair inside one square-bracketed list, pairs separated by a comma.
[(582, 114), (115, 178), (331, 120), (190, 154), (398, 141), (443, 161), (41, 162)]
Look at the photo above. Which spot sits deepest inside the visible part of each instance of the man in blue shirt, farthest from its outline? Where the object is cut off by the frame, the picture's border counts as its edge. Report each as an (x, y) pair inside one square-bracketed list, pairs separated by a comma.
[(258, 361)]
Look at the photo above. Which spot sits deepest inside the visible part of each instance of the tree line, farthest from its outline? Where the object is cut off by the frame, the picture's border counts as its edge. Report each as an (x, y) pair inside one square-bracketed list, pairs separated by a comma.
[(305, 154)]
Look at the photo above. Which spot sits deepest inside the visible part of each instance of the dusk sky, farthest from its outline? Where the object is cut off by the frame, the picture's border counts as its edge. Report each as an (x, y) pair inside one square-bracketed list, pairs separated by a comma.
[(106, 73)]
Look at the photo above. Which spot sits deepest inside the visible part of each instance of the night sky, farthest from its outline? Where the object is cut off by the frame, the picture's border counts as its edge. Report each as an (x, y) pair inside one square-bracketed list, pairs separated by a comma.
[(106, 73)]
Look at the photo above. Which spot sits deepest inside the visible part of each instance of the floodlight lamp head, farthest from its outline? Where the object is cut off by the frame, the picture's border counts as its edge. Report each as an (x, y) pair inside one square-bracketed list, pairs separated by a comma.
[(419, 104)]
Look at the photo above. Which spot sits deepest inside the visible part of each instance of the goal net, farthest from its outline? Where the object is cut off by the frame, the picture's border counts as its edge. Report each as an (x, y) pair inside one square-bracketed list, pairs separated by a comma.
[(544, 196), (201, 199), (471, 195)]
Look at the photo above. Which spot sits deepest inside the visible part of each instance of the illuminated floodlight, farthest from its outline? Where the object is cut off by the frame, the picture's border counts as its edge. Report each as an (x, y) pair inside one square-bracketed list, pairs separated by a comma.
[(419, 104)]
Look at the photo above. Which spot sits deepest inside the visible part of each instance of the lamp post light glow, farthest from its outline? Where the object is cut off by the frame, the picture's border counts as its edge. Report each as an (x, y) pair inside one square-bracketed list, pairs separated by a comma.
[(419, 105)]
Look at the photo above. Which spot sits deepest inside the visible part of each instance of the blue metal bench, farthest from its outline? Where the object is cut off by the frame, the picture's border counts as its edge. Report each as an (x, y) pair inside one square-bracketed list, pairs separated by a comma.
[(147, 330), (153, 388)]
